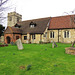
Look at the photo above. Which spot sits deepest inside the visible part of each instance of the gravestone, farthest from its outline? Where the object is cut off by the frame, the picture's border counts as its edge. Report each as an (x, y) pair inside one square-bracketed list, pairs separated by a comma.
[(73, 44), (19, 44), (54, 44)]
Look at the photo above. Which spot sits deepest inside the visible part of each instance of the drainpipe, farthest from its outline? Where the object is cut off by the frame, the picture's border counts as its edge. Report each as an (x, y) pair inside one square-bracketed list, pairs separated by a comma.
[(58, 35)]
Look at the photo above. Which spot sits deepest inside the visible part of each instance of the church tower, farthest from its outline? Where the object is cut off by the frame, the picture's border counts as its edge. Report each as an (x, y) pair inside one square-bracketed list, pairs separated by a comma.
[(13, 18)]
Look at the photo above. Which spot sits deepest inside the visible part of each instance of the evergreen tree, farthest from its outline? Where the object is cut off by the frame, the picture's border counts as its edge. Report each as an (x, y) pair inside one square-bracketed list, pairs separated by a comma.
[(2, 28)]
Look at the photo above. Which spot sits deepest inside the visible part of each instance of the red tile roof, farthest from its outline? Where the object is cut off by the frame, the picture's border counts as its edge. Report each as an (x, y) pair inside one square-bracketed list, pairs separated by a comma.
[(16, 30), (62, 22), (13, 30)]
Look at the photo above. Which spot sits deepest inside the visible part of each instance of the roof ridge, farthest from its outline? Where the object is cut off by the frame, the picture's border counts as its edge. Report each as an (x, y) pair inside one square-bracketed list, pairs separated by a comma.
[(63, 16), (34, 19)]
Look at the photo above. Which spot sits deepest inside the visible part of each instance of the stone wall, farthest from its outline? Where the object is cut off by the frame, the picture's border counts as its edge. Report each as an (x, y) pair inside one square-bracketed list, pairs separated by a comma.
[(24, 41), (37, 38), (61, 36), (70, 50), (29, 38), (71, 36), (58, 36), (55, 35)]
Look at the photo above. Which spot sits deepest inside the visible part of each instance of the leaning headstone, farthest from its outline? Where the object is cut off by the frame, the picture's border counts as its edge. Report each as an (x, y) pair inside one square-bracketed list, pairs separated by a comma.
[(55, 44), (73, 44), (19, 44)]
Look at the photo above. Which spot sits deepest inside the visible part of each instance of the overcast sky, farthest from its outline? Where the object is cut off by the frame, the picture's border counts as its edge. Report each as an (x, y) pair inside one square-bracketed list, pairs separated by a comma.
[(32, 9)]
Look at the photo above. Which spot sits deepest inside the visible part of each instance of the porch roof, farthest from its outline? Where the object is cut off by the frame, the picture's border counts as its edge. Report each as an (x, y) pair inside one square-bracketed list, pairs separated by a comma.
[(10, 30)]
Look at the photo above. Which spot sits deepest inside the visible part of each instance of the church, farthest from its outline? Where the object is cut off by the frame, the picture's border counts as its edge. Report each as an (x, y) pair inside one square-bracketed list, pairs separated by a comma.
[(58, 29)]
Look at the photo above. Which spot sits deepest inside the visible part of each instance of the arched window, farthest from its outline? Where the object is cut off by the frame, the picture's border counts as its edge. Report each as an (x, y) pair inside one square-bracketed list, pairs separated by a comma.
[(51, 34)]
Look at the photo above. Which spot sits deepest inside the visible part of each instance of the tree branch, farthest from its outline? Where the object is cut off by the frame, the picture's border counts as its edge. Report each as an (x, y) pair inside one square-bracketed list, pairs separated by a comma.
[(2, 2)]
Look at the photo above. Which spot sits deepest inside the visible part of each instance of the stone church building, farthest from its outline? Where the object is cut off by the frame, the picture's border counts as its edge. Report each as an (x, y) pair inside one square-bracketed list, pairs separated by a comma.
[(58, 29)]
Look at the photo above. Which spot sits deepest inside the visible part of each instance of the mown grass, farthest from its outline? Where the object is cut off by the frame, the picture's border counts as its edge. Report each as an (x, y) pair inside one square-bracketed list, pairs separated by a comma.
[(44, 59)]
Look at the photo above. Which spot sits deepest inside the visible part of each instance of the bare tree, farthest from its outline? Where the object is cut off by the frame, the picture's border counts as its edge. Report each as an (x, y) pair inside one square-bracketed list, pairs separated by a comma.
[(3, 8)]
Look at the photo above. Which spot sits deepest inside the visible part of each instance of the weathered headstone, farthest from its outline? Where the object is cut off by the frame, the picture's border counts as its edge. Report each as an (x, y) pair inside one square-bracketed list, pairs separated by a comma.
[(55, 44), (73, 44), (19, 44)]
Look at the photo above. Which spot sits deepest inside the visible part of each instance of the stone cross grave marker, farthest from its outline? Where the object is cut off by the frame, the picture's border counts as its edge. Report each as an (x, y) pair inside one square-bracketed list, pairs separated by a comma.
[(73, 44), (19, 44)]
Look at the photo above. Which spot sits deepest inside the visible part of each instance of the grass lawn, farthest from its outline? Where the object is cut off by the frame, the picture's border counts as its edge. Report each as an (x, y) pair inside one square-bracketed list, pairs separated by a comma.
[(44, 59)]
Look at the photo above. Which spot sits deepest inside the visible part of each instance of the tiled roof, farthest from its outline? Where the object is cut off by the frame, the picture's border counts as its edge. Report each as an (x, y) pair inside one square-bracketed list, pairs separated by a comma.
[(13, 30), (62, 22), (16, 30), (41, 25)]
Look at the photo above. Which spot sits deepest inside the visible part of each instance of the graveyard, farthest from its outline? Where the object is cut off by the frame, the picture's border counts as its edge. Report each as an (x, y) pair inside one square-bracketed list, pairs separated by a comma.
[(36, 59)]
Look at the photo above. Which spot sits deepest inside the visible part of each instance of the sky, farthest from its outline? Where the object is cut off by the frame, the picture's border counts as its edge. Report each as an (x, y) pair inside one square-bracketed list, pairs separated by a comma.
[(33, 9)]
